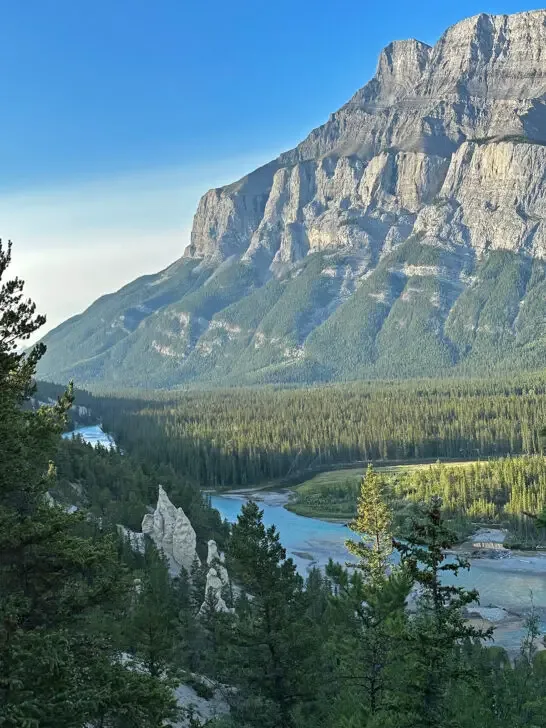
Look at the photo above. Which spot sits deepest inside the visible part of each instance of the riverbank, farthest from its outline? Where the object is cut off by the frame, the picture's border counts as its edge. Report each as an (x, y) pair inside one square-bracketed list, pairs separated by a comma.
[(510, 588), (301, 509), (334, 494)]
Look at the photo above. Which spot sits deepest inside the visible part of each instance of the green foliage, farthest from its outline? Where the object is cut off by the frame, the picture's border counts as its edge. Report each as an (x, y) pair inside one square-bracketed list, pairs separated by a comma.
[(119, 487), (419, 311), (373, 523), (439, 626), (242, 437), (504, 491), (371, 603), (273, 641), (59, 591), (149, 629)]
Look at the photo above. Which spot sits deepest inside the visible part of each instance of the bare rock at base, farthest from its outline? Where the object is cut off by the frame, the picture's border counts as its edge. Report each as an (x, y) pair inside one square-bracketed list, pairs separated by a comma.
[(203, 708)]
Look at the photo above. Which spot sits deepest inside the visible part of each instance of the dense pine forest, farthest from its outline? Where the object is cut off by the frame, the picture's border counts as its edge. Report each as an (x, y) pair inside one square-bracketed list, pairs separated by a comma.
[(506, 492), (248, 436)]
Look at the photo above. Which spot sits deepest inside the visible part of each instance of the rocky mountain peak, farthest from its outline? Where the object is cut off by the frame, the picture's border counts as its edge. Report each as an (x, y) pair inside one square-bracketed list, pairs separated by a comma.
[(400, 67), (416, 213), (380, 156)]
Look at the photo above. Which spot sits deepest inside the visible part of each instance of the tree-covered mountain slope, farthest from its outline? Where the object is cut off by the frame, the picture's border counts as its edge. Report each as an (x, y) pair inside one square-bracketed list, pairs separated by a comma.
[(405, 237)]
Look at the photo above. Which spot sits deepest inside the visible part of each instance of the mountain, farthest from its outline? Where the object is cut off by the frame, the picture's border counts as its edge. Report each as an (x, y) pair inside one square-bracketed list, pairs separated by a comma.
[(405, 237)]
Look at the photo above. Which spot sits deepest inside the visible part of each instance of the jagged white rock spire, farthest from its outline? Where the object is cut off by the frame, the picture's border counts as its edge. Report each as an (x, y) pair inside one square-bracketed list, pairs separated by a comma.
[(215, 560), (171, 531), (217, 577)]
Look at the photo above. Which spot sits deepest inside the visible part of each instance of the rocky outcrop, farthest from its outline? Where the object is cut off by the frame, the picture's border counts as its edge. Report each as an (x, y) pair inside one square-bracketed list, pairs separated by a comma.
[(217, 578), (216, 560), (416, 213), (171, 531), (199, 710), (214, 586), (427, 128), (226, 218)]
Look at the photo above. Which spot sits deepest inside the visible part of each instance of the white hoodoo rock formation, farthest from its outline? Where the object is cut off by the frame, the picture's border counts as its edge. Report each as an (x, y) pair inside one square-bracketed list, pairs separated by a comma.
[(171, 531), (215, 584), (217, 577), (216, 560)]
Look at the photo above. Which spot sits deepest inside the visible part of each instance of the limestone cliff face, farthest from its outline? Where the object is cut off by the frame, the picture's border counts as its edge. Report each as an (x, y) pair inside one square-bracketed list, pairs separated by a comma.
[(228, 216), (405, 237), (460, 125)]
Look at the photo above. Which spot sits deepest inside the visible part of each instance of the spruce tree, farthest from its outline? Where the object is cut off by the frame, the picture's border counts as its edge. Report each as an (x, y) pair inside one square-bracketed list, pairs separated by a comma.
[(58, 590), (373, 600), (439, 627), (373, 523), (275, 645), (150, 628)]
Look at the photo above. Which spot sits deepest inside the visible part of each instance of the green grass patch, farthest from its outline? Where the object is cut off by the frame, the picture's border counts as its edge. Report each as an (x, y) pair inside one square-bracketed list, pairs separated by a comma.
[(334, 494)]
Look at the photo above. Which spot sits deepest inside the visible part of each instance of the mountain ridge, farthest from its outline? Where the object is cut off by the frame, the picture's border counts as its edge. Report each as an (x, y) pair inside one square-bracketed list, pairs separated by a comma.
[(405, 236)]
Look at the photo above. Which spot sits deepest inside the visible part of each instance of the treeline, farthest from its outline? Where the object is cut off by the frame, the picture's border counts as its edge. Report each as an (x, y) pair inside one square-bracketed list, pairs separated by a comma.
[(505, 491), (246, 436)]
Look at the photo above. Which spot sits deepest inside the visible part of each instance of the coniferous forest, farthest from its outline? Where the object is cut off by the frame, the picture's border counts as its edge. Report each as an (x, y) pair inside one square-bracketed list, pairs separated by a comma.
[(94, 634), (241, 437)]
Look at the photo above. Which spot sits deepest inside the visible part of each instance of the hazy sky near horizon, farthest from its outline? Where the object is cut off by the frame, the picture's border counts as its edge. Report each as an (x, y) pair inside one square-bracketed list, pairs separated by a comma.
[(119, 114)]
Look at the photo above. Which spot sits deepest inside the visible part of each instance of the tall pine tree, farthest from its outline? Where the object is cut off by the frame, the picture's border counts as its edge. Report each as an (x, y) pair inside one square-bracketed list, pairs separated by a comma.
[(275, 645), (55, 670)]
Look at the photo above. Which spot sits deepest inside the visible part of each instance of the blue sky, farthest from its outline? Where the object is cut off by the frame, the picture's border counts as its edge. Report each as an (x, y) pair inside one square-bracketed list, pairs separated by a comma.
[(118, 114)]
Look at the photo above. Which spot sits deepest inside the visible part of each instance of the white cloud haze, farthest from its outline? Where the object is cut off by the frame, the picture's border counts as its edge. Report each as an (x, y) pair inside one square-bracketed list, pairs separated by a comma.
[(73, 244)]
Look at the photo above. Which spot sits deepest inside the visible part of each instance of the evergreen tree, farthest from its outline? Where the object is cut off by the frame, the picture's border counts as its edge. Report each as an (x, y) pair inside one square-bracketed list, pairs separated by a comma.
[(150, 627), (275, 646), (542, 438), (54, 584), (373, 523), (198, 583), (439, 626), (374, 600)]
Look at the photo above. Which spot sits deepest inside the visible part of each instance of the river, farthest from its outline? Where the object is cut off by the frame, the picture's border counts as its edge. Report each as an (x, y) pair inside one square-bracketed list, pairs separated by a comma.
[(514, 583), (92, 434)]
